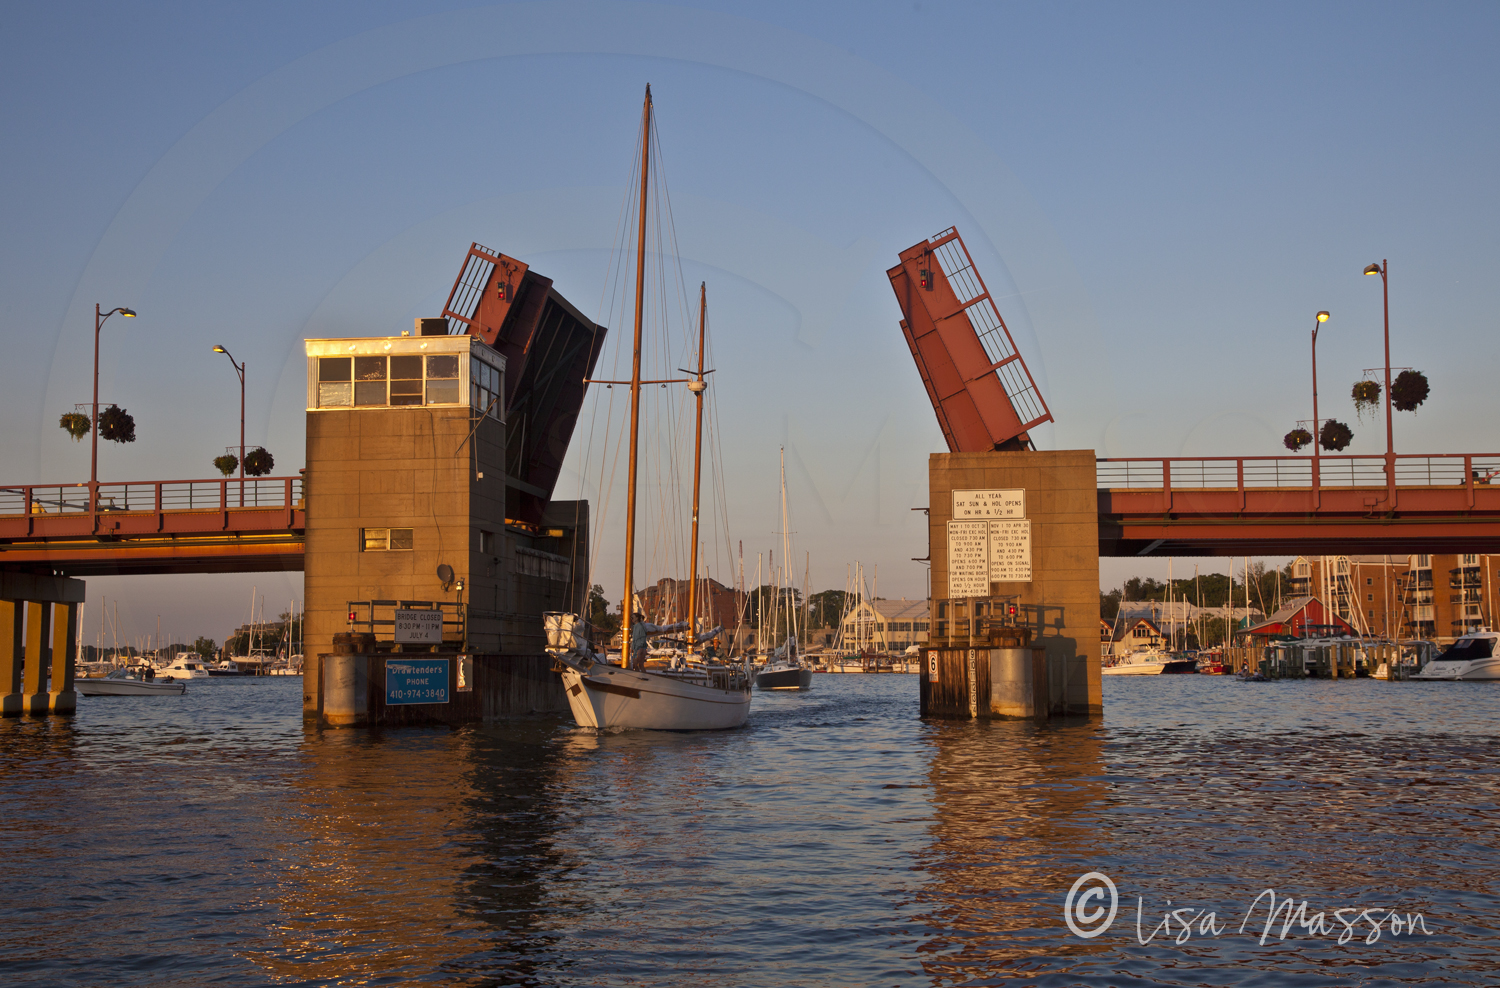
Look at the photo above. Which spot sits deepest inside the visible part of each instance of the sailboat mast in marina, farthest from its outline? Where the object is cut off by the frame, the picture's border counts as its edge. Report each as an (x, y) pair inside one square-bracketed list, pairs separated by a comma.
[(785, 671), (687, 695), (697, 387)]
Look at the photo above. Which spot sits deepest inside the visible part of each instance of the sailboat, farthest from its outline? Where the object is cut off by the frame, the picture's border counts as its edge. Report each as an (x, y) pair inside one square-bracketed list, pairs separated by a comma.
[(785, 670), (688, 695)]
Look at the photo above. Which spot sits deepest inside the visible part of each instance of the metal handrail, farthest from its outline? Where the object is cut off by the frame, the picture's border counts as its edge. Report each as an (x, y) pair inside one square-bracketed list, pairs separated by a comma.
[(153, 496), (1332, 471)]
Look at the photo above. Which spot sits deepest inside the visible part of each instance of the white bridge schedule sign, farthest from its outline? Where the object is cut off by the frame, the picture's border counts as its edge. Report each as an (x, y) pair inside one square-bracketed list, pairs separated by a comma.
[(1010, 551), (989, 541), (968, 559), (968, 505)]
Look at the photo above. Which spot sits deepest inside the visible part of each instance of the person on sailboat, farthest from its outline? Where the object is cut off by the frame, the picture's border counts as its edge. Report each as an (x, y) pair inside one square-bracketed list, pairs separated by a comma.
[(638, 641), (641, 631)]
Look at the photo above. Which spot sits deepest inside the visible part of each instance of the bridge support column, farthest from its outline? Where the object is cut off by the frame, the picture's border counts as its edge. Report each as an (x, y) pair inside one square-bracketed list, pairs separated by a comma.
[(36, 678), (12, 650), (1056, 493), (34, 673), (61, 698)]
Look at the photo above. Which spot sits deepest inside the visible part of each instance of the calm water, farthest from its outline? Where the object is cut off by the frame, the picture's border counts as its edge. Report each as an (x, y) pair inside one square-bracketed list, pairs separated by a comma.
[(211, 839)]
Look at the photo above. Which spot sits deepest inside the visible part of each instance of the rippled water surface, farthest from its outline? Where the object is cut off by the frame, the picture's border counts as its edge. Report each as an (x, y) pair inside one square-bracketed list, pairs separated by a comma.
[(838, 840)]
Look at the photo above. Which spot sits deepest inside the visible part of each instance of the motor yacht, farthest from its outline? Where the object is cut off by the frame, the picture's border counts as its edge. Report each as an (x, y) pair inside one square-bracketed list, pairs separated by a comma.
[(1471, 657), (187, 665), (1149, 662)]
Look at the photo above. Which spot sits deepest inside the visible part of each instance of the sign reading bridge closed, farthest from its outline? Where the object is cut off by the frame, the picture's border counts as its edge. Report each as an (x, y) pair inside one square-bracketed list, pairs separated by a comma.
[(414, 627), (416, 681)]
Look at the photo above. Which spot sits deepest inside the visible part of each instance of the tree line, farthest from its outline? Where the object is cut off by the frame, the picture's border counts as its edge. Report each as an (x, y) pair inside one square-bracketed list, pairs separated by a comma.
[(1207, 590)]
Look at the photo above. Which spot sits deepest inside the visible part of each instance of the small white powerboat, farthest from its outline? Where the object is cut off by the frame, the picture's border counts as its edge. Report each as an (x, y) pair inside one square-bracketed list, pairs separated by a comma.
[(1470, 657), (126, 682)]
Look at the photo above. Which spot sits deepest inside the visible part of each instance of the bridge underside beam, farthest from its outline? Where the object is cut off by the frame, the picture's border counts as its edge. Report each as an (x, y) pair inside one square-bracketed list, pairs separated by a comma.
[(1321, 539), (1298, 521), (134, 557)]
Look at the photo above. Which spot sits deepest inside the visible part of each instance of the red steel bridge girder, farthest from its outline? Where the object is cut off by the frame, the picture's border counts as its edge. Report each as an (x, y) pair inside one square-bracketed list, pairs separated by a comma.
[(170, 526), (1441, 503)]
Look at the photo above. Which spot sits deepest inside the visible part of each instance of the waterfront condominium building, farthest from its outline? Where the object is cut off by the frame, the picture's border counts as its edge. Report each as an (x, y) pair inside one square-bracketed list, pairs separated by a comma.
[(1447, 594)]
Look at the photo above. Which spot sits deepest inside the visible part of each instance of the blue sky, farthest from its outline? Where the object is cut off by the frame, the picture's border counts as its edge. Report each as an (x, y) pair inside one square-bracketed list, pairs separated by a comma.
[(1161, 196)]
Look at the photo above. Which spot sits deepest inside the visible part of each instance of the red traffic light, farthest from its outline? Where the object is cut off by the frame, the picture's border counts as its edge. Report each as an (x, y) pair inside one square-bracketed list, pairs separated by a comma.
[(926, 278), (503, 290)]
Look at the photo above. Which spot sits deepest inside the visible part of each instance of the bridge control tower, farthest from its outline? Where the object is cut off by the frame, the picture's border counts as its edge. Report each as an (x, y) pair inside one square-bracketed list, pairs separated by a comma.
[(431, 462)]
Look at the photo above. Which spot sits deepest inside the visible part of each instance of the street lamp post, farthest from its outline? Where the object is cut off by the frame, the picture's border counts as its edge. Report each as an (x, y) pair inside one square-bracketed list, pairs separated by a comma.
[(99, 319), (240, 370), (1390, 437), (1317, 434)]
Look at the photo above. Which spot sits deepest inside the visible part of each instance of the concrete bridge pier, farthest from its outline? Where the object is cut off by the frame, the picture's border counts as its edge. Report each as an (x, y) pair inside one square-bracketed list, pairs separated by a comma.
[(1017, 529), (38, 643)]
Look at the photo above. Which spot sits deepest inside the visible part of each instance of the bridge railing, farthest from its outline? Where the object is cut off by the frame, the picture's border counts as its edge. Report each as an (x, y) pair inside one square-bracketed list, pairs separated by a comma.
[(154, 495), (1362, 470)]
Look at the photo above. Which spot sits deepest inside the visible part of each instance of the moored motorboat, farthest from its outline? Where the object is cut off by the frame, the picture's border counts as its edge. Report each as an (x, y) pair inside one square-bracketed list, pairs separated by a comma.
[(186, 665), (127, 682), (1470, 657), (1150, 662)]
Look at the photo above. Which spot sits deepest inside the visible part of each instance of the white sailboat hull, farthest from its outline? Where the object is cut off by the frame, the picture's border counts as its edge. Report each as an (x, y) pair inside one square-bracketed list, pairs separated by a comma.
[(608, 696)]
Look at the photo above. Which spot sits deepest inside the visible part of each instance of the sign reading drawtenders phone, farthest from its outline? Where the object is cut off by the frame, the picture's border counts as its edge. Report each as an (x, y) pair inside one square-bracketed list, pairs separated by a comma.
[(415, 681)]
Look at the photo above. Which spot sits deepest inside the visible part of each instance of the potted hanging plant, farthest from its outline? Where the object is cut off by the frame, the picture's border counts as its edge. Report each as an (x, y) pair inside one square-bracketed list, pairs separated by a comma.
[(1409, 390), (258, 462), (1335, 435), (1296, 439), (227, 463), (1366, 395), (117, 425), (76, 424)]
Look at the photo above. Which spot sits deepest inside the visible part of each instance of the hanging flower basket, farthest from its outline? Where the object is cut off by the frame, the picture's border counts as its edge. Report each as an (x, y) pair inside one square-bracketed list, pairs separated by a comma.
[(1296, 439), (1335, 435), (117, 425), (258, 462), (1409, 390), (76, 424), (1366, 395), (227, 463)]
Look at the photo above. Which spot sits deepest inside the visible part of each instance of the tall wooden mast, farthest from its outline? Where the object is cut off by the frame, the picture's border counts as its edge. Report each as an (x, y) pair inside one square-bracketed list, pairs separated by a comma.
[(697, 388), (627, 603)]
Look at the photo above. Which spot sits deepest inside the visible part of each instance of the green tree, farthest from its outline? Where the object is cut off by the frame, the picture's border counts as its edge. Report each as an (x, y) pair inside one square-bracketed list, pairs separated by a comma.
[(598, 611), (205, 647), (827, 607)]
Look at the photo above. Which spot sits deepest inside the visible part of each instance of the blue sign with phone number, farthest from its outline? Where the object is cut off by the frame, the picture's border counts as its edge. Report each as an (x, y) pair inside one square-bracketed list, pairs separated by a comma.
[(421, 681)]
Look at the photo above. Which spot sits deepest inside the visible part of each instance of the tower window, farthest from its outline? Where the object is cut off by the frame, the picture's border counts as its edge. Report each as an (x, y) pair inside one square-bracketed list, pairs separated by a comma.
[(385, 539)]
